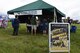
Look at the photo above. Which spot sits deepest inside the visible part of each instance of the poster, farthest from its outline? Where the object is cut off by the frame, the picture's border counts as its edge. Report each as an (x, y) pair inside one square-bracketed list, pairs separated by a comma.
[(59, 37)]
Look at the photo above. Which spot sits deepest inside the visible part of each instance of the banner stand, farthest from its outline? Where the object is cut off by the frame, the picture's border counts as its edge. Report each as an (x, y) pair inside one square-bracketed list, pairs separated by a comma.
[(59, 37)]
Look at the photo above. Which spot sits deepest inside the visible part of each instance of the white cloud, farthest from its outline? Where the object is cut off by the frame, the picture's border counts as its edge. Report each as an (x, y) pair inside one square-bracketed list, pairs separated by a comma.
[(9, 4)]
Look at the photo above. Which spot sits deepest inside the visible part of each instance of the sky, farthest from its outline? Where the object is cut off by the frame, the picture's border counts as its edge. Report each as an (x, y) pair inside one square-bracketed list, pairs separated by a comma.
[(68, 7)]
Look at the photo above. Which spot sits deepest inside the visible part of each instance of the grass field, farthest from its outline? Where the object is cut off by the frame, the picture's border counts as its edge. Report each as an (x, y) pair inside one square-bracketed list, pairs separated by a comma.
[(27, 43)]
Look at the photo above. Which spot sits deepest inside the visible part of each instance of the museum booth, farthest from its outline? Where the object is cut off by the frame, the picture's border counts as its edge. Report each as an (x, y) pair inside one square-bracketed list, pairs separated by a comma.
[(42, 11)]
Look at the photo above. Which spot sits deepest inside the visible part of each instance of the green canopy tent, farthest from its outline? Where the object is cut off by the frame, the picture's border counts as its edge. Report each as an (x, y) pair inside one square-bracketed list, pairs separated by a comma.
[(46, 8), (46, 11)]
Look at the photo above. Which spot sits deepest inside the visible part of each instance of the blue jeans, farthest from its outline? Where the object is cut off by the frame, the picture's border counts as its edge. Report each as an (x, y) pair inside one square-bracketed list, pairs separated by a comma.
[(15, 31)]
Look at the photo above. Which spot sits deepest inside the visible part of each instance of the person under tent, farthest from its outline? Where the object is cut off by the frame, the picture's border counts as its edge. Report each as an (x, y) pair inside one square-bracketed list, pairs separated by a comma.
[(45, 26), (34, 25), (28, 25)]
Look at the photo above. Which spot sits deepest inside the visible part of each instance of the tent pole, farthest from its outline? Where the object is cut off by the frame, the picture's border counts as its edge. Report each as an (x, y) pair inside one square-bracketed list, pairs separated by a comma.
[(55, 16)]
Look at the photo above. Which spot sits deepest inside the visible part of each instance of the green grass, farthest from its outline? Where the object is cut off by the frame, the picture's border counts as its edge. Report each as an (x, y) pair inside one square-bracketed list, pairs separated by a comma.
[(27, 43), (75, 40), (23, 43)]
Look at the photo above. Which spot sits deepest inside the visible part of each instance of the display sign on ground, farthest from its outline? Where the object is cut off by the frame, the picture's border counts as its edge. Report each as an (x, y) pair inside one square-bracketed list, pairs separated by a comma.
[(59, 37)]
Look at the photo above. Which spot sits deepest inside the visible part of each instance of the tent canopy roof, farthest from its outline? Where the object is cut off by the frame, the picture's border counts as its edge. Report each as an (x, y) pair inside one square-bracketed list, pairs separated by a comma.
[(38, 5)]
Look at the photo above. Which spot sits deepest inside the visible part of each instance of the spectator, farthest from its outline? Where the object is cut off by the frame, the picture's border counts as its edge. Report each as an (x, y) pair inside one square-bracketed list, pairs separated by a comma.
[(4, 23), (69, 21), (28, 25), (45, 26), (34, 25), (15, 25)]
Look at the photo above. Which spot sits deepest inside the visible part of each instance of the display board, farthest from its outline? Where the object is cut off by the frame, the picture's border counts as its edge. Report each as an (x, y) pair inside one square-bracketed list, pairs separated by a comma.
[(59, 37)]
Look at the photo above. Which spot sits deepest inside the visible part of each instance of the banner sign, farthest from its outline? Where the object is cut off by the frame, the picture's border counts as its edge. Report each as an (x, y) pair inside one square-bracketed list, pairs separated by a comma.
[(32, 12), (59, 37)]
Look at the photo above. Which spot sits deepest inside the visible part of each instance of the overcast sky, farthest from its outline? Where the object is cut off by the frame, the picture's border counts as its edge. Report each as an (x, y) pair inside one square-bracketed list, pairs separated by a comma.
[(69, 7)]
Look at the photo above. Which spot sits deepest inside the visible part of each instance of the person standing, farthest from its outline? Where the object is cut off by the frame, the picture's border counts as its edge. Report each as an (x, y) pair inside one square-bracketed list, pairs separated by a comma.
[(34, 25), (15, 25), (4, 23), (69, 21), (28, 25), (45, 26)]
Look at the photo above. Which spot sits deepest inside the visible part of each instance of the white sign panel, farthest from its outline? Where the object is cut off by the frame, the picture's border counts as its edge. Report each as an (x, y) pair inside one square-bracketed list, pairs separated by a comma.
[(59, 37), (33, 12)]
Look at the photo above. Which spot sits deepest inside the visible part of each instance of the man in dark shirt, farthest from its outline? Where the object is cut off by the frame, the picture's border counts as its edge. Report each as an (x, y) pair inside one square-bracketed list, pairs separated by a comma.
[(69, 21), (28, 25), (15, 24)]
